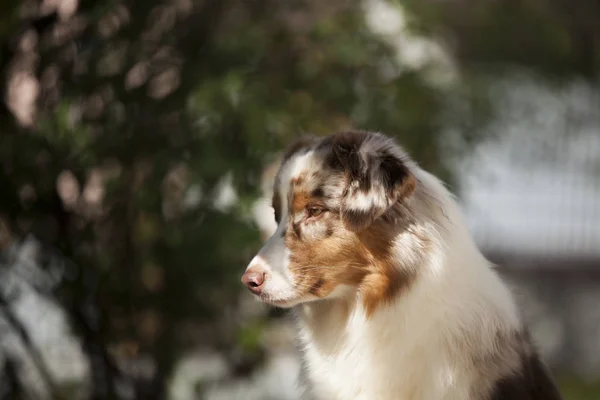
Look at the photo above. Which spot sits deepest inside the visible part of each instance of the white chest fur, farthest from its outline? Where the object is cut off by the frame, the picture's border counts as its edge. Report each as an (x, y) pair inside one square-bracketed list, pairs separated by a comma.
[(363, 361)]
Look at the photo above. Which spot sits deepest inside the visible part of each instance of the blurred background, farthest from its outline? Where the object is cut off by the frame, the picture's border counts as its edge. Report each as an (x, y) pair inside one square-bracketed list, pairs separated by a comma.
[(137, 145)]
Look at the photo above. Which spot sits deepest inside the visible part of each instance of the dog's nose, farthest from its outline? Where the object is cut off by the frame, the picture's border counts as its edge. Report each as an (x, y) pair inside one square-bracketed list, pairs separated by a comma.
[(254, 278)]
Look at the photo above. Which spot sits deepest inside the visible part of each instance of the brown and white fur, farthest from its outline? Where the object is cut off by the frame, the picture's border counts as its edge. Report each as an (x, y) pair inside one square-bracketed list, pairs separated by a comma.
[(392, 297)]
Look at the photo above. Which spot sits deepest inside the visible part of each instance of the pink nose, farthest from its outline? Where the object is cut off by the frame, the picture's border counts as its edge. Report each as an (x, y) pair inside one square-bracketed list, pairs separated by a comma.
[(254, 278)]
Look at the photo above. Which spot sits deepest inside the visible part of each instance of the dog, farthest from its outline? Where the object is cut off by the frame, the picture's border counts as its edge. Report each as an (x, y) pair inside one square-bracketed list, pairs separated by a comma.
[(392, 298)]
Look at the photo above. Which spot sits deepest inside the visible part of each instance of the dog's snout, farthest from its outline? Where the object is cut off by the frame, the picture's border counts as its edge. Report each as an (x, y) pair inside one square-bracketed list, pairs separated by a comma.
[(254, 278)]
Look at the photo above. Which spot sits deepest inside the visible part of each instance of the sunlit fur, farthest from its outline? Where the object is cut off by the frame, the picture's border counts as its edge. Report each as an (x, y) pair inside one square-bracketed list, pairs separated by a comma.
[(393, 299)]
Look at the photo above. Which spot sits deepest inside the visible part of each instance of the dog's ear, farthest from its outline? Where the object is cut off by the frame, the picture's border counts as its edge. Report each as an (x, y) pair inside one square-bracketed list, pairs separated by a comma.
[(376, 176)]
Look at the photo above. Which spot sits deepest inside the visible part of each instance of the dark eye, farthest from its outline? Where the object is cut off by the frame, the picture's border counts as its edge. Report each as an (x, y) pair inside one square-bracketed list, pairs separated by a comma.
[(314, 211)]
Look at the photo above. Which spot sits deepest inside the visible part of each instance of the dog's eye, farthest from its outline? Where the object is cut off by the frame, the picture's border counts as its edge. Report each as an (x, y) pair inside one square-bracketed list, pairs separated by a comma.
[(314, 211)]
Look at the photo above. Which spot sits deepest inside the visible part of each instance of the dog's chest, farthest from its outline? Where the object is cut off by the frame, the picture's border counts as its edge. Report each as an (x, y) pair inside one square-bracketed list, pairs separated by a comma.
[(383, 364)]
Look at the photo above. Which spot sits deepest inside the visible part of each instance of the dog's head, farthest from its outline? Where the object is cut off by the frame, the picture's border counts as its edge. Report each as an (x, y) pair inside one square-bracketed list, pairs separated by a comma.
[(340, 203)]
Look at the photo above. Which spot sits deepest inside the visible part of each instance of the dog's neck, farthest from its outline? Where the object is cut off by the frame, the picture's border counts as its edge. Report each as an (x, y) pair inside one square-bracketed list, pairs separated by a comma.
[(325, 323)]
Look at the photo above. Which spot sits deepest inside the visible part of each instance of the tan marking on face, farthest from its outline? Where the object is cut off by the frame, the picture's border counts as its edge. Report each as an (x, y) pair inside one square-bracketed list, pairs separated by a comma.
[(362, 260), (319, 266), (300, 201)]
